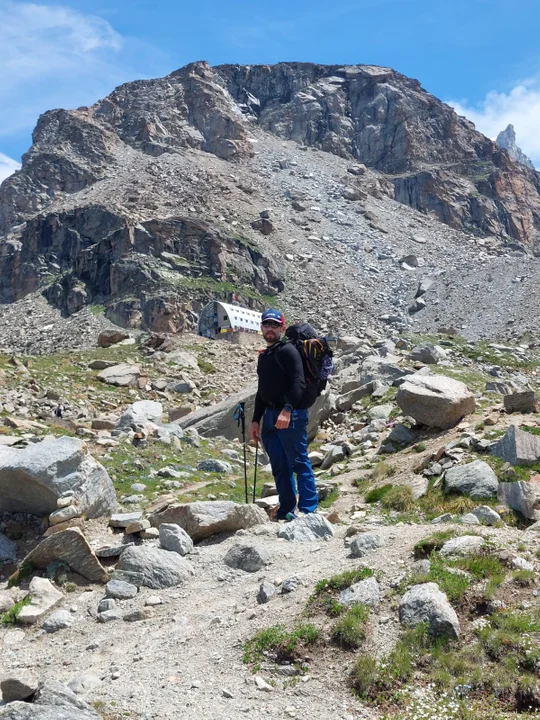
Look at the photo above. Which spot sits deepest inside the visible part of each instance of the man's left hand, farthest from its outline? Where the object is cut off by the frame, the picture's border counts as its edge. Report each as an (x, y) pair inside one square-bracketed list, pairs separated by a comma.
[(283, 421)]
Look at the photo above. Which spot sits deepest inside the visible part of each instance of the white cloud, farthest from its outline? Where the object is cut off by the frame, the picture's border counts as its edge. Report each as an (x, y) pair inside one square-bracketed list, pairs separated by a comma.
[(7, 166), (519, 107), (53, 56)]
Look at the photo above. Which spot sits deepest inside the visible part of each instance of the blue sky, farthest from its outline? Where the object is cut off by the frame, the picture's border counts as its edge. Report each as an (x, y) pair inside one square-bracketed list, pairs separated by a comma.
[(481, 55)]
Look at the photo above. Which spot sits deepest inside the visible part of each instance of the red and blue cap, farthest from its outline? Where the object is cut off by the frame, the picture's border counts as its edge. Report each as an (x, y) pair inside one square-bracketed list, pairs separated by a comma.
[(275, 315)]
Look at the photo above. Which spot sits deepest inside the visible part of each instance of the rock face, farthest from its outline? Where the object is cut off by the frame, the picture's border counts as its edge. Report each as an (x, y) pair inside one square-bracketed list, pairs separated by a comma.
[(32, 479), (435, 400), (506, 140)]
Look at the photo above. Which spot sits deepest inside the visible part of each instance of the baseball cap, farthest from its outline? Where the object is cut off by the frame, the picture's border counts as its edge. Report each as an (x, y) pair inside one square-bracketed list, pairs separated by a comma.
[(273, 314)]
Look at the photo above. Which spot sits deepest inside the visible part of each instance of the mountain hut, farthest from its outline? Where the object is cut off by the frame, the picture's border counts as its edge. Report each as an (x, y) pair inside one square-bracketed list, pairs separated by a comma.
[(219, 318)]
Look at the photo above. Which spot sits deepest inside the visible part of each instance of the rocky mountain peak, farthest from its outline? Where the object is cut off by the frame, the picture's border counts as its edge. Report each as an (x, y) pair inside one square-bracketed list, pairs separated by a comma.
[(506, 139), (211, 180)]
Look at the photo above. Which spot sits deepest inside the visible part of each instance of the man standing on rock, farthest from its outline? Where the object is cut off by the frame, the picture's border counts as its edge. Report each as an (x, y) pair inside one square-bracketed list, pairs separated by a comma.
[(285, 417)]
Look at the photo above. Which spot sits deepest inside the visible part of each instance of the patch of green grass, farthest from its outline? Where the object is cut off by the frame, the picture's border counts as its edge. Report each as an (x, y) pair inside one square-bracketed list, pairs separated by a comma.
[(382, 470), (419, 447), (350, 630), (433, 542), (10, 617), (25, 570), (206, 367), (323, 599), (400, 498), (453, 584), (284, 645), (524, 578), (377, 494), (330, 499)]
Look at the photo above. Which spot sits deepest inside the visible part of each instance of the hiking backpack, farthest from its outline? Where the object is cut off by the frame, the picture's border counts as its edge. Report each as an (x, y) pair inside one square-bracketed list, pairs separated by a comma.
[(316, 359)]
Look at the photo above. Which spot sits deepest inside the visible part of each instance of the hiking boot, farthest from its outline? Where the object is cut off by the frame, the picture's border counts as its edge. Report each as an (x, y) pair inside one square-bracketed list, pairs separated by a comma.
[(291, 516)]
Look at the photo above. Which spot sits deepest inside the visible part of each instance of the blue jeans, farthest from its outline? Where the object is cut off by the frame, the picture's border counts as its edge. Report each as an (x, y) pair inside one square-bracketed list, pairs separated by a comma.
[(287, 450)]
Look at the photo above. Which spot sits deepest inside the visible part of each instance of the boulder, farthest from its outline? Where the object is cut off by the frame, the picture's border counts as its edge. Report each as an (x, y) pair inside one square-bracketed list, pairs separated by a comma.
[(476, 480), (205, 518), (266, 592), (43, 597), (106, 338), (521, 402), (249, 558), (120, 590), (428, 353), (335, 454), (58, 621), (19, 686), (69, 546), (435, 400), (517, 447), (121, 375), (141, 412), (426, 603), (523, 496), (307, 528), (158, 568), (32, 479), (366, 592), (486, 515), (217, 466), (175, 539), (6, 602), (365, 543), (52, 701), (462, 545)]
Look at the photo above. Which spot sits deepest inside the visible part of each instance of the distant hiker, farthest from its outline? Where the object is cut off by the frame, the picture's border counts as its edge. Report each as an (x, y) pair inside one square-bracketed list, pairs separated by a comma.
[(281, 404), (59, 410)]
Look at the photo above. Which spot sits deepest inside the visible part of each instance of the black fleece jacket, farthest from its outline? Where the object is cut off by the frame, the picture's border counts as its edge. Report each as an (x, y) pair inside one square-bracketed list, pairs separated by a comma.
[(279, 382)]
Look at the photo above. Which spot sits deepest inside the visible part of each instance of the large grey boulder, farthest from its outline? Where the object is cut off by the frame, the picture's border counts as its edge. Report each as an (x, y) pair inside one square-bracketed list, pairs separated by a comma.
[(307, 528), (219, 419), (523, 496), (32, 479), (426, 603), (517, 447), (428, 353), (524, 402), (52, 701), (158, 568), (249, 558), (69, 546), (141, 412), (205, 518), (476, 480), (435, 400), (366, 592)]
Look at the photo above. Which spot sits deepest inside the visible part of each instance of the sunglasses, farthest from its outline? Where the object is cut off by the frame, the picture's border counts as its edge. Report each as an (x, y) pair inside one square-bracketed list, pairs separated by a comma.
[(270, 323)]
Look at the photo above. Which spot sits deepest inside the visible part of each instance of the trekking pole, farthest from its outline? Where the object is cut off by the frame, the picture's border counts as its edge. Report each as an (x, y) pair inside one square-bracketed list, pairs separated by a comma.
[(255, 470), (240, 417)]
